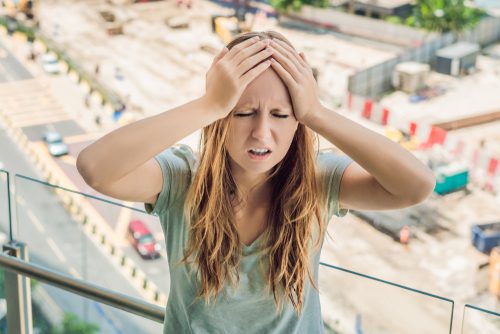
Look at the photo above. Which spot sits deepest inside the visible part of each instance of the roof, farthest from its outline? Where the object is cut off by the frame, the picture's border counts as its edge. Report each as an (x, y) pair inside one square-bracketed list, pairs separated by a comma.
[(385, 3), (138, 226), (458, 50), (412, 67), (379, 3)]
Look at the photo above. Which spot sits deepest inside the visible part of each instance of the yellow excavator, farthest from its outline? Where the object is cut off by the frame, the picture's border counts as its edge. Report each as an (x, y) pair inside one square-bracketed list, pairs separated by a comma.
[(28, 7), (228, 26)]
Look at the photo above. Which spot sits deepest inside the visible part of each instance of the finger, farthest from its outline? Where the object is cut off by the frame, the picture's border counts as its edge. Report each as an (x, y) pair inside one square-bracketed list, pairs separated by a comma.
[(288, 53), (242, 46), (249, 51), (254, 73), (283, 73), (287, 64), (220, 55), (250, 62), (291, 51)]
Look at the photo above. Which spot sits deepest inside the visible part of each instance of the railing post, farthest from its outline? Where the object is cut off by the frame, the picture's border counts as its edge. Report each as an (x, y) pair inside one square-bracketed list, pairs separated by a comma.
[(18, 293)]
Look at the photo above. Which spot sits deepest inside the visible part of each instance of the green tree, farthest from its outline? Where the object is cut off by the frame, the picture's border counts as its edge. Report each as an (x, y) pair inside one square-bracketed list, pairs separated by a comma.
[(73, 325), (444, 16), (296, 5)]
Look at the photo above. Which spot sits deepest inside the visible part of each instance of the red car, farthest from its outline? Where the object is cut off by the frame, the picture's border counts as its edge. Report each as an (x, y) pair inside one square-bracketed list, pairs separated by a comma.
[(142, 239)]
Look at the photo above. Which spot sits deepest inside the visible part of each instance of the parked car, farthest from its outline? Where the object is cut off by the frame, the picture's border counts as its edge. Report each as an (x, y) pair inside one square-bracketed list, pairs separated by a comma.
[(50, 63), (142, 239), (55, 144)]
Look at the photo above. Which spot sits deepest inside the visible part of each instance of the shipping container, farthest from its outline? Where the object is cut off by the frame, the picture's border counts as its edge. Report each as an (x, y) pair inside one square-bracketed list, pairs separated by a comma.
[(486, 236)]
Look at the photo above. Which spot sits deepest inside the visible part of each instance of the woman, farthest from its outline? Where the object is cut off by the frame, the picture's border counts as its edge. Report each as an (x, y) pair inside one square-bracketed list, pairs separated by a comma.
[(244, 222)]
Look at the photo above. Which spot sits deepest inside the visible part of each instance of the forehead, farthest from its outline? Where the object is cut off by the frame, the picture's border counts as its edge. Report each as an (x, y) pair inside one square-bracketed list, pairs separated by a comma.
[(267, 89)]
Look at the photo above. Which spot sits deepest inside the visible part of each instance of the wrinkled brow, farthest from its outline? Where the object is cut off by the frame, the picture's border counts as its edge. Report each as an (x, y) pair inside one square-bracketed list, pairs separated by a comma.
[(250, 105)]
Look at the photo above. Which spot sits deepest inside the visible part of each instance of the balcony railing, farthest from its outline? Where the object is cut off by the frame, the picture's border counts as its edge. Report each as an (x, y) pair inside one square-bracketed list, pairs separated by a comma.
[(82, 265)]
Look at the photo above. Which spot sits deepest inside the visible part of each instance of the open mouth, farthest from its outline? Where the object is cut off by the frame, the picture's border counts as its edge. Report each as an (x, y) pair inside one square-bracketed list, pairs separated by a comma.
[(259, 153)]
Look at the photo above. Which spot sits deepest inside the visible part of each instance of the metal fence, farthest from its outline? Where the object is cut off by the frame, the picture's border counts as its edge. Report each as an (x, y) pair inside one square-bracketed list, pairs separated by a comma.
[(376, 80)]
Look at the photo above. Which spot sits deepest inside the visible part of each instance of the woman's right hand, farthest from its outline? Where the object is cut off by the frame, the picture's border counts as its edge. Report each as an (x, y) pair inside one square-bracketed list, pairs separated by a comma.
[(232, 71)]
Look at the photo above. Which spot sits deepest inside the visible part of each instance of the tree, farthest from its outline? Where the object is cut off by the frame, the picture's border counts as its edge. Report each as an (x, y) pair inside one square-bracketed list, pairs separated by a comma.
[(73, 325), (296, 5), (444, 16)]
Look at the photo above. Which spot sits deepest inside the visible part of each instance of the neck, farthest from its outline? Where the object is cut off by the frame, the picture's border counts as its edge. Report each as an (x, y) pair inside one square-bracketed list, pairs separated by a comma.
[(253, 188)]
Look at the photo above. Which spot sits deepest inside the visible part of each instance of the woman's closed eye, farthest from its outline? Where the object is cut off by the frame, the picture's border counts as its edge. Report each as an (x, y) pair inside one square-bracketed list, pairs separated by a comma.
[(247, 114)]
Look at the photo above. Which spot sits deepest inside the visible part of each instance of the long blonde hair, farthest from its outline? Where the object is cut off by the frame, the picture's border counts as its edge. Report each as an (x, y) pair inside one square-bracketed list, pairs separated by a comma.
[(213, 238)]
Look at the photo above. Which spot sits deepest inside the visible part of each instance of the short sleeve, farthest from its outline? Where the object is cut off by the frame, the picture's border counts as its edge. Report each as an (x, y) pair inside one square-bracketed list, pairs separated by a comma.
[(177, 164), (331, 167)]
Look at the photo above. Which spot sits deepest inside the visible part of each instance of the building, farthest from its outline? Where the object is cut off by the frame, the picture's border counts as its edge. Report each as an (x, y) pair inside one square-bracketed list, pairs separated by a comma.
[(457, 59)]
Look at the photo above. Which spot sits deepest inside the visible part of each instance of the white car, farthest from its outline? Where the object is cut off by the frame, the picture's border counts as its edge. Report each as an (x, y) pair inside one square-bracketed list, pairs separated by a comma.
[(55, 144), (50, 63)]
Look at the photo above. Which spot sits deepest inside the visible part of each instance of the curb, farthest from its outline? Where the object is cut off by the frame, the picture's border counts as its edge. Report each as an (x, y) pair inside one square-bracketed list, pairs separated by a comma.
[(79, 213)]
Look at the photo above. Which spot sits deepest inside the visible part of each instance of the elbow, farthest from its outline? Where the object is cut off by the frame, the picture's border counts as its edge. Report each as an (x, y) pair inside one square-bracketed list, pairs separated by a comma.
[(85, 170), (424, 188)]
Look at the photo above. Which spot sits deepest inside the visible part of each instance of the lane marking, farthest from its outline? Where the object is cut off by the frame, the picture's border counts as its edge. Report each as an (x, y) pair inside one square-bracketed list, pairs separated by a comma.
[(91, 136), (122, 223), (36, 222), (56, 250)]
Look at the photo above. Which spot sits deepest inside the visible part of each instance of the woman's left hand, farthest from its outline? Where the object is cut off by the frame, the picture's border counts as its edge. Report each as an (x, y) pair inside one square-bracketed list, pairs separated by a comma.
[(299, 79)]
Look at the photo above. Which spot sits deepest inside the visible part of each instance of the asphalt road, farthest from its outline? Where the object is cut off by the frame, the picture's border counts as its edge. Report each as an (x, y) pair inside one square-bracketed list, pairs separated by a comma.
[(57, 101), (10, 68), (56, 241), (53, 238)]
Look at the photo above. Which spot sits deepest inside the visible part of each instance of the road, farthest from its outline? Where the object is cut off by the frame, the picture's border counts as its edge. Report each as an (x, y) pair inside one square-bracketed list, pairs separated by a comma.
[(61, 109), (40, 220)]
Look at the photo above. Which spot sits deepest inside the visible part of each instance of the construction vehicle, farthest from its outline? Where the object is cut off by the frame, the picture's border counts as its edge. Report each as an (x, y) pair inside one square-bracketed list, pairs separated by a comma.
[(27, 7), (227, 27), (486, 236), (404, 139), (452, 177)]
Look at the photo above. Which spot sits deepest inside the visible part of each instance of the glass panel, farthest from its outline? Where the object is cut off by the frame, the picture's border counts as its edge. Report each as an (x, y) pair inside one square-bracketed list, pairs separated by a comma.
[(5, 214), (54, 310), (356, 303), (478, 320), (87, 237)]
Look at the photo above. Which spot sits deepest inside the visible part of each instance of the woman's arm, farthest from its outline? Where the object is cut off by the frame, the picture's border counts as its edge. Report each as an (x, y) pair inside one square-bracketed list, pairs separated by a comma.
[(123, 159), (122, 151), (384, 174)]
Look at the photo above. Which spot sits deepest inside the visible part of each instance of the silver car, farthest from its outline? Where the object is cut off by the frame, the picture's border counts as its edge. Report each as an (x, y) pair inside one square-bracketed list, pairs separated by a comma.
[(55, 144), (50, 63)]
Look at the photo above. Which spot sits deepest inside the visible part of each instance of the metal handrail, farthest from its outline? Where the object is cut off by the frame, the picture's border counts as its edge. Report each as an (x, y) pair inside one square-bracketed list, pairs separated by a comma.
[(84, 288)]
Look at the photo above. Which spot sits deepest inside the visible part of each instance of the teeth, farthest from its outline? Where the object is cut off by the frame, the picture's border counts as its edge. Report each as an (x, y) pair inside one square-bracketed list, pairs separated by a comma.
[(261, 150)]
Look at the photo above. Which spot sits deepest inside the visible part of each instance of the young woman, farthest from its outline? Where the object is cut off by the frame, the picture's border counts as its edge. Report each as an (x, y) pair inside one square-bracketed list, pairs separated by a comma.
[(244, 221)]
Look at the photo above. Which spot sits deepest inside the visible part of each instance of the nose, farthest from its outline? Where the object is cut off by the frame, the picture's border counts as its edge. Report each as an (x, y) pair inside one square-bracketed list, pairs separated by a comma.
[(261, 127)]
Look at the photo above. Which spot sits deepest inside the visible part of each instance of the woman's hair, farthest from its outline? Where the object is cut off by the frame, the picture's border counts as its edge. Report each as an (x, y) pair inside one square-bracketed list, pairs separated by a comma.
[(213, 237)]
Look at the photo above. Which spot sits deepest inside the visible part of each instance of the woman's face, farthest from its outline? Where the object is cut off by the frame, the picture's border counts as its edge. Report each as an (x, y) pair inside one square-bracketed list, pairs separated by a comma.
[(262, 127)]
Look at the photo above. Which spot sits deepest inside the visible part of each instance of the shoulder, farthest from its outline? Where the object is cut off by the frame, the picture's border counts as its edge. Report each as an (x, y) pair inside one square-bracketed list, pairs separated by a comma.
[(178, 157)]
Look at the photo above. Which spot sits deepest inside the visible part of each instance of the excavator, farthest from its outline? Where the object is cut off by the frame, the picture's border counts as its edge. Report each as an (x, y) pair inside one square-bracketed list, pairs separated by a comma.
[(228, 26), (28, 7)]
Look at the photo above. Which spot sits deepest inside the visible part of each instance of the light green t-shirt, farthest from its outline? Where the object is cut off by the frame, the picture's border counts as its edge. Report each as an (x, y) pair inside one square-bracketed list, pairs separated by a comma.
[(249, 308)]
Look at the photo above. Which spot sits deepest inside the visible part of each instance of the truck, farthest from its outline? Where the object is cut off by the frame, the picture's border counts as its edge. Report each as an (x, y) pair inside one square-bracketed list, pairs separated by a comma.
[(451, 177)]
